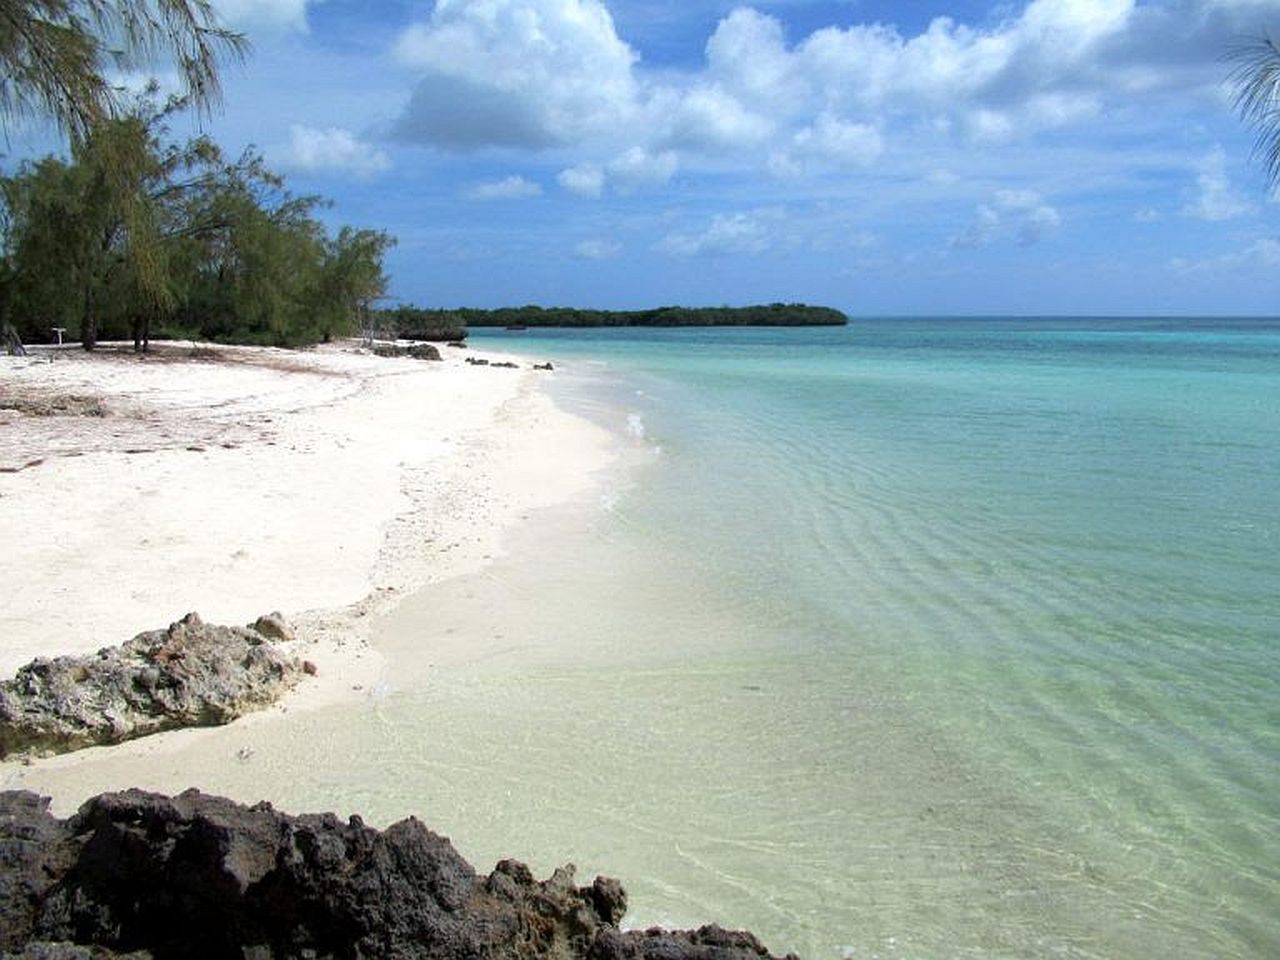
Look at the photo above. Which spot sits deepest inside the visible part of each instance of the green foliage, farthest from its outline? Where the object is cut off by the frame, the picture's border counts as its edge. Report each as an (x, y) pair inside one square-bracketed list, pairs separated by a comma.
[(416, 323), (764, 315), (134, 234), (1256, 81), (55, 54)]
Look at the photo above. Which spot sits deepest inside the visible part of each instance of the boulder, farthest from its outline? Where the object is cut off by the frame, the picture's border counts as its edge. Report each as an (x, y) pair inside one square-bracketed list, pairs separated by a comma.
[(274, 626), (204, 877), (191, 674), (424, 351)]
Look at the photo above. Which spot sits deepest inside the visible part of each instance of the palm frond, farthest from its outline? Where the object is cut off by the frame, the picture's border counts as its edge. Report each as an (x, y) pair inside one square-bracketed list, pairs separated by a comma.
[(1255, 79)]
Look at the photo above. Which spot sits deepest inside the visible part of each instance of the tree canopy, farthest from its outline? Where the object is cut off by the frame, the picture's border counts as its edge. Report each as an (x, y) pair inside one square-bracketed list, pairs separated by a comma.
[(135, 233), (56, 55), (761, 315)]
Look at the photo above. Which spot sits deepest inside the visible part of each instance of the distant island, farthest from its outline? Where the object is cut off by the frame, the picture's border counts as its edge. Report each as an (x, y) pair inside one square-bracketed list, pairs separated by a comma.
[(408, 320)]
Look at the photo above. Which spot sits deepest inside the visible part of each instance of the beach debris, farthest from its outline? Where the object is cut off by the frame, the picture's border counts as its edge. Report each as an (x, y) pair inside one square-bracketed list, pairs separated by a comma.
[(191, 674), (198, 875)]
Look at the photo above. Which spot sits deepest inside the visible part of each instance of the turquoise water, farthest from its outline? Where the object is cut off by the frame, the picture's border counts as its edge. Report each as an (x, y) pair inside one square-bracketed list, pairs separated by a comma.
[(919, 638)]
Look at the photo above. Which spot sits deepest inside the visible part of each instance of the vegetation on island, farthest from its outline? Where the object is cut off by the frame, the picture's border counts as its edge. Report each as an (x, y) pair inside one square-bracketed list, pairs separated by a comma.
[(404, 319), (133, 234)]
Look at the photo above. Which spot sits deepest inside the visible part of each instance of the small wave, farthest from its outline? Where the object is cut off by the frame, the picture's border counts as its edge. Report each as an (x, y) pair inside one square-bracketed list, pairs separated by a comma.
[(635, 425)]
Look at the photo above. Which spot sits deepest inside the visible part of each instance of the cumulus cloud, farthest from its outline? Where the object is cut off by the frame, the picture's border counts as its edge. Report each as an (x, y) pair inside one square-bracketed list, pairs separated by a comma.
[(555, 74), (520, 73), (638, 168), (1215, 199), (1021, 215), (630, 171), (730, 233), (334, 149), (282, 15), (514, 187), (832, 142), (586, 180)]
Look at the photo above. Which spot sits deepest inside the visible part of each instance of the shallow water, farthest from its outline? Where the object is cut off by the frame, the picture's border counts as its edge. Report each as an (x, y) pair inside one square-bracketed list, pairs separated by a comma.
[(922, 639)]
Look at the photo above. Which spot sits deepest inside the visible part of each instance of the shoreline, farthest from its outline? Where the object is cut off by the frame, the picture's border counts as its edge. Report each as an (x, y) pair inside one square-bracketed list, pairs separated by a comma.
[(328, 484)]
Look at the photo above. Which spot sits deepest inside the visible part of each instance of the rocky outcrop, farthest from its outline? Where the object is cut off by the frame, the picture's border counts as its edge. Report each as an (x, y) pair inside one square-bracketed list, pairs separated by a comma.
[(203, 877), (418, 351), (192, 674)]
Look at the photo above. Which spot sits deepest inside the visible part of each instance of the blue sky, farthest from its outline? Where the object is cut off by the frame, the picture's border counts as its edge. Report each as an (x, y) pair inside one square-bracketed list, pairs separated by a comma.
[(1057, 156)]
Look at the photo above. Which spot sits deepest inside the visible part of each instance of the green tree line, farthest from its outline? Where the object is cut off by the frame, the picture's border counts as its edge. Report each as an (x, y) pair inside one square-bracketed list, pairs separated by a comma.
[(133, 234), (406, 319)]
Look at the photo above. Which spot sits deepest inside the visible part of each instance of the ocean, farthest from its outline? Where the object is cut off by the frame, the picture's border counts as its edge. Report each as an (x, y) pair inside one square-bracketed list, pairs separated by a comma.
[(911, 639), (916, 638)]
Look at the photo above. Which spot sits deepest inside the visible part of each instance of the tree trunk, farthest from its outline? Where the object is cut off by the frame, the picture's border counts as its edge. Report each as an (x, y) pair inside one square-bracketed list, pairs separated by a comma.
[(89, 325)]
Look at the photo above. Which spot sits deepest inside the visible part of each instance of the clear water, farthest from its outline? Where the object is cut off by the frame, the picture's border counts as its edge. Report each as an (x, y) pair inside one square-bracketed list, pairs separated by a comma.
[(921, 638), (915, 639)]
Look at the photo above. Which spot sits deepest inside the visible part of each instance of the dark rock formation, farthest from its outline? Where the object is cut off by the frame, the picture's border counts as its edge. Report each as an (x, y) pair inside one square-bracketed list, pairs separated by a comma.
[(418, 351), (543, 366), (424, 351), (191, 675), (203, 877)]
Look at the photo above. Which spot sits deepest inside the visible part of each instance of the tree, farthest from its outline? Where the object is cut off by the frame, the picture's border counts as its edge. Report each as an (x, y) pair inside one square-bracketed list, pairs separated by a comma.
[(1256, 81), (351, 279), (54, 54), (134, 230)]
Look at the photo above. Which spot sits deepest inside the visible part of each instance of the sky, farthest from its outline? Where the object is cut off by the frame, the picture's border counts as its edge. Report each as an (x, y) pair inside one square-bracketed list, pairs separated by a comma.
[(951, 157)]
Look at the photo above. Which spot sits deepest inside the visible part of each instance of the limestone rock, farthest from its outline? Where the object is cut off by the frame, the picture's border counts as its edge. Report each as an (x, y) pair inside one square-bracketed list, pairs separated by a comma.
[(192, 674), (274, 626), (203, 877)]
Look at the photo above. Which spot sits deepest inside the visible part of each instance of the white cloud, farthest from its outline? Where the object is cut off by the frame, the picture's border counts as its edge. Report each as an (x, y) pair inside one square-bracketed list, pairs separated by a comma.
[(514, 187), (1262, 254), (638, 168), (1020, 215), (586, 180), (334, 149), (282, 15), (633, 170), (543, 74), (843, 144), (1216, 200), (598, 249), (710, 118), (726, 234), (522, 73)]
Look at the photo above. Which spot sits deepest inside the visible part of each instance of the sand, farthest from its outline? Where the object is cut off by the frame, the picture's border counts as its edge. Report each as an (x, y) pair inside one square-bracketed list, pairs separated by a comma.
[(326, 484)]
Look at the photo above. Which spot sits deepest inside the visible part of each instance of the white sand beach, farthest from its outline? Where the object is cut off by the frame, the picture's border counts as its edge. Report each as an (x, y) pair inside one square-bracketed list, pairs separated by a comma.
[(327, 484)]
